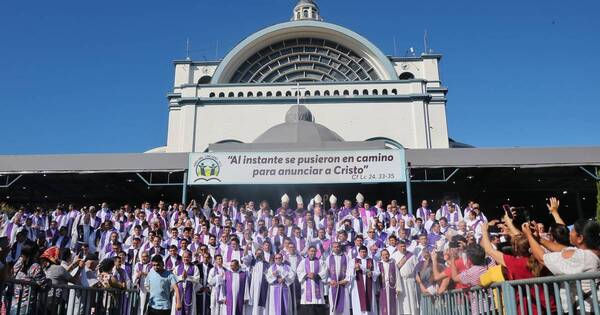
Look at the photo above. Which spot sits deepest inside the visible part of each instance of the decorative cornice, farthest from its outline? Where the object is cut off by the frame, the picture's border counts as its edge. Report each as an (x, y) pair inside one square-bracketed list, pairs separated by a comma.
[(203, 101)]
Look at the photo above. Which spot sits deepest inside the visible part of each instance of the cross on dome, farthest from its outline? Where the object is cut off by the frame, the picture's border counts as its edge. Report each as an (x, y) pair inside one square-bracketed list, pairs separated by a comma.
[(306, 10)]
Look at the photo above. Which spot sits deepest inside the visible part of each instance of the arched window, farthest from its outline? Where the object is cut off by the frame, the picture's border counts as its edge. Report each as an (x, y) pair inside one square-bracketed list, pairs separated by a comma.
[(288, 93), (355, 92), (221, 94), (259, 94), (250, 94), (406, 76), (317, 93), (346, 92), (326, 93), (336, 93), (365, 92), (231, 94), (307, 93), (395, 92), (205, 79), (375, 92), (298, 15), (241, 94), (305, 13), (278, 93), (212, 94), (384, 92), (269, 94)]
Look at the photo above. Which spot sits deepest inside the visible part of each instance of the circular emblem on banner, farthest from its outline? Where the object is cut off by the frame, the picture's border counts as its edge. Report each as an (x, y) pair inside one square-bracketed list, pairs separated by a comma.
[(207, 168)]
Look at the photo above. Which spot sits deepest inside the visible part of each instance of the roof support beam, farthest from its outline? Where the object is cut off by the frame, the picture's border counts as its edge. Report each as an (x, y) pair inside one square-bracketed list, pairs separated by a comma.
[(9, 182)]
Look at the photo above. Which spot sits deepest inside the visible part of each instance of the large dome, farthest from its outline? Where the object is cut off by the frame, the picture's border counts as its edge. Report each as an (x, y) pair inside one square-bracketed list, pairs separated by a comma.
[(299, 127), (301, 51)]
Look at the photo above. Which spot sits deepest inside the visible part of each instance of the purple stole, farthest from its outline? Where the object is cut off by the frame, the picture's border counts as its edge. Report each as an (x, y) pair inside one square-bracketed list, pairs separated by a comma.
[(264, 287), (424, 213), (474, 225), (309, 282), (344, 212), (454, 216), (392, 287), (96, 222), (305, 232), (300, 244), (58, 220), (230, 253), (214, 230), (445, 210), (121, 275), (204, 239), (240, 294), (9, 228), (280, 293), (364, 216), (169, 265), (364, 288), (186, 288), (338, 295), (354, 252), (194, 247), (141, 267)]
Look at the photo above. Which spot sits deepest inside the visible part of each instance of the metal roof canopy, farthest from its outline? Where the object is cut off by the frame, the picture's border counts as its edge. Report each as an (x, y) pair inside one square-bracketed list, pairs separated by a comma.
[(418, 158), (94, 163), (504, 157)]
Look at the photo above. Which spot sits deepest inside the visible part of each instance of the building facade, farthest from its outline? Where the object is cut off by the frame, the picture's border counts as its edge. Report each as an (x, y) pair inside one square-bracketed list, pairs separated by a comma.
[(343, 79)]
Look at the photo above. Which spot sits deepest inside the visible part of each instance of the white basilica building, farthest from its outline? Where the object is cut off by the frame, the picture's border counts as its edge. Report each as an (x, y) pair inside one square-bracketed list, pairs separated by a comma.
[(350, 88)]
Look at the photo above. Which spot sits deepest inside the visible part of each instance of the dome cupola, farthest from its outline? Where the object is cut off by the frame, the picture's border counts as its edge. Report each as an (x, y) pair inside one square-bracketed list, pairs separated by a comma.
[(306, 10)]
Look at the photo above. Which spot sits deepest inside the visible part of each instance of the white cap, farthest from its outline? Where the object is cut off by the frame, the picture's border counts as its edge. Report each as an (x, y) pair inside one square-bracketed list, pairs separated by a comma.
[(285, 198), (332, 199), (360, 197), (299, 200), (318, 198)]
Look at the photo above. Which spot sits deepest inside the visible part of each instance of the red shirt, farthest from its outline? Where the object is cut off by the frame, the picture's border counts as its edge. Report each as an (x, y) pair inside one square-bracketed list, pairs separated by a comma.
[(517, 269), (460, 267)]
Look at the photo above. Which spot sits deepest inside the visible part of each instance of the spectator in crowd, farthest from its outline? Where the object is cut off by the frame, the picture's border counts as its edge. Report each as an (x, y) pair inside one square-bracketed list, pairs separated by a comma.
[(159, 283), (27, 268), (520, 265), (470, 277)]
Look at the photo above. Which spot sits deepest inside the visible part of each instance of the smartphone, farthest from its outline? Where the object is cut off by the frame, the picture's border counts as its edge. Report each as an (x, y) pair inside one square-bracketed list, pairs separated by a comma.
[(508, 211)]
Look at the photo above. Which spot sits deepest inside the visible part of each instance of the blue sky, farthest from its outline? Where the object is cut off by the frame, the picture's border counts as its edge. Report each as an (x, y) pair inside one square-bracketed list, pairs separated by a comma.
[(92, 76)]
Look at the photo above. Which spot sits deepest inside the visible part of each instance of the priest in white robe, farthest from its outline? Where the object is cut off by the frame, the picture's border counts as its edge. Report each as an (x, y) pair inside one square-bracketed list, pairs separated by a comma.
[(280, 277), (235, 293), (259, 287), (140, 271), (311, 273), (406, 287), (387, 285), (216, 277), (188, 278), (340, 275), (363, 285)]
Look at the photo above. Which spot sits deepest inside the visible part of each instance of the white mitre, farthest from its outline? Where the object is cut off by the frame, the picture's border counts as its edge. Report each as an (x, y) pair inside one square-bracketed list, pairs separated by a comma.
[(318, 198), (299, 200), (285, 198), (360, 197), (332, 199)]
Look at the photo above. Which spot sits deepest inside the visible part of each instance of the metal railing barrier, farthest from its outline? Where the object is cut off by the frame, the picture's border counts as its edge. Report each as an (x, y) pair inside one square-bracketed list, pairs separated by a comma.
[(568, 294), (28, 298)]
